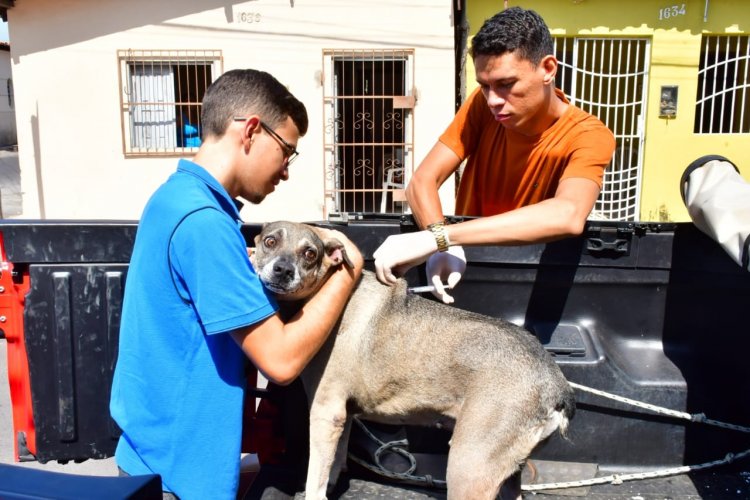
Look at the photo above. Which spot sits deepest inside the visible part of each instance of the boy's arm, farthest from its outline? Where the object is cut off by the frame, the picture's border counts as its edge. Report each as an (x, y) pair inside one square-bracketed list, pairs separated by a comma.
[(422, 191)]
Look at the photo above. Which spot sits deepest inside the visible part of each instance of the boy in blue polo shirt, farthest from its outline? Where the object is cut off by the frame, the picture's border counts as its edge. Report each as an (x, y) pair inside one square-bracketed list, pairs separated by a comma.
[(194, 308)]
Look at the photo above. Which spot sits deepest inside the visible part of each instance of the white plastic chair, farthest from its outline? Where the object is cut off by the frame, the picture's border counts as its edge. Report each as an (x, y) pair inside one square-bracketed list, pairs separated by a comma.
[(394, 187)]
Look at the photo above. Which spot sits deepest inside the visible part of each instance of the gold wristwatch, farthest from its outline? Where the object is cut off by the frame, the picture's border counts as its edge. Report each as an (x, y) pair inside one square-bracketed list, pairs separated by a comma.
[(441, 235)]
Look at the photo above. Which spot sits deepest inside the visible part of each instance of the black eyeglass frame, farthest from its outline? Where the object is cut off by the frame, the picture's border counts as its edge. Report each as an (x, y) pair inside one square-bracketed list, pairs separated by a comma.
[(290, 152)]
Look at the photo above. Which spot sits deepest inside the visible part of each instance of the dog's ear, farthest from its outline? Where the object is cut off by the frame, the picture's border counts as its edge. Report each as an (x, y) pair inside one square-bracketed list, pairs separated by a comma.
[(336, 253), (251, 250), (251, 256), (257, 236)]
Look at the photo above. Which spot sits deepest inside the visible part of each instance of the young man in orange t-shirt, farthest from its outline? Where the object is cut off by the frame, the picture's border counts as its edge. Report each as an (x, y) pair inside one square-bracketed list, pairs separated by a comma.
[(534, 162)]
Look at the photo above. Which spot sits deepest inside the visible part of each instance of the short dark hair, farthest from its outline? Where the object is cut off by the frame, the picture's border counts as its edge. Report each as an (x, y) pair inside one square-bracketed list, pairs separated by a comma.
[(242, 92), (517, 30)]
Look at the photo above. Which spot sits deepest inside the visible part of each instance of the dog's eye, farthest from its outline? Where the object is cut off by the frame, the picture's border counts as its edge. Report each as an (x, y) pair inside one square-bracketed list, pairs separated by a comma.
[(311, 254), (270, 241)]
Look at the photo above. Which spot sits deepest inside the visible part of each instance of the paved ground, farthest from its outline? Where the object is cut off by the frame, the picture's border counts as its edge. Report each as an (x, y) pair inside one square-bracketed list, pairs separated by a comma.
[(10, 184)]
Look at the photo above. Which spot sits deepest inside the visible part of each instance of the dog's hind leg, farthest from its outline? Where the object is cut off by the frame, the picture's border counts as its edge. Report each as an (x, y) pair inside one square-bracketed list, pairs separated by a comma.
[(487, 447), (327, 422)]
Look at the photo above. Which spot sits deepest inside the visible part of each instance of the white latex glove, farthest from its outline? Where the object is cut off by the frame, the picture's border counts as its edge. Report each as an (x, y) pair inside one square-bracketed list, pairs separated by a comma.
[(400, 252), (446, 267)]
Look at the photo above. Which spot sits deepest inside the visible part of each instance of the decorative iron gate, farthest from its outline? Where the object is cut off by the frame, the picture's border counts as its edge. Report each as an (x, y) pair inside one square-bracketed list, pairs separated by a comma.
[(723, 100), (368, 108), (608, 77)]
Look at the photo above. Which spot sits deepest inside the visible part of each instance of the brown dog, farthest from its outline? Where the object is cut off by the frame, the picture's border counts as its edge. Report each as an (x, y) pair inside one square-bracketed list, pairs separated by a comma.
[(401, 358)]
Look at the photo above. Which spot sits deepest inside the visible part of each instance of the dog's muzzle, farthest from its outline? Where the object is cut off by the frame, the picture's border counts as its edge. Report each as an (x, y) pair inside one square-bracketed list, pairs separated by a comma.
[(280, 276)]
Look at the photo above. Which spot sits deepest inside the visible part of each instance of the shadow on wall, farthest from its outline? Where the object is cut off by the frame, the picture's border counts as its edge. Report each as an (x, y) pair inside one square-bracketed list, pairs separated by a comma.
[(111, 17)]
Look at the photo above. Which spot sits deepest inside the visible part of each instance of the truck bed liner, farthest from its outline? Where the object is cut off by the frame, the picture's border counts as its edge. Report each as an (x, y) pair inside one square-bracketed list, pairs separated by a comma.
[(704, 485)]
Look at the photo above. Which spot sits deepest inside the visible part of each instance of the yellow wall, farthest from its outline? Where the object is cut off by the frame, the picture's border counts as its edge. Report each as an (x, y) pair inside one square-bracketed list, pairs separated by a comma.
[(675, 51)]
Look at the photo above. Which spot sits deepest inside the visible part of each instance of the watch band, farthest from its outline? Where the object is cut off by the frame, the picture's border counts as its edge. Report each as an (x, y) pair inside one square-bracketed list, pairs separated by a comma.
[(441, 235)]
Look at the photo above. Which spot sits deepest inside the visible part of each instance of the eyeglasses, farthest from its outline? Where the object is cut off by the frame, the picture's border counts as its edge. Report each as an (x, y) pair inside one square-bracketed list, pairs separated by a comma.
[(290, 152)]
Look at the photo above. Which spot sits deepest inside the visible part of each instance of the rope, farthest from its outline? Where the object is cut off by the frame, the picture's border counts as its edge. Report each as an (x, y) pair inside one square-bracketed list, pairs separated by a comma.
[(408, 476), (394, 447), (620, 478), (695, 417)]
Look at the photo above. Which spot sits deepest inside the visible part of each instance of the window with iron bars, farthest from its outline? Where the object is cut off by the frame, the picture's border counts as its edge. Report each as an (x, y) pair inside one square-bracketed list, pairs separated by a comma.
[(160, 93), (723, 100), (368, 109)]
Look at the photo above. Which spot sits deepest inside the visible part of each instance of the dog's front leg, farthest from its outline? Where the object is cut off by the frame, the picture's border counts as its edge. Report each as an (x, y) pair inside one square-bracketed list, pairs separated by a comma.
[(327, 422), (342, 449)]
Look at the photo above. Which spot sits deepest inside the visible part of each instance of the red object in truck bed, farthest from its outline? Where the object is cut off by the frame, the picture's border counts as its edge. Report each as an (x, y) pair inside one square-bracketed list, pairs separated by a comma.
[(13, 287)]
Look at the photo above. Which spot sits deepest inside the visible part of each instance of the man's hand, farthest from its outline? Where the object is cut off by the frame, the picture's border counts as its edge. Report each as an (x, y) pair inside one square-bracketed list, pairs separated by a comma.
[(446, 266), (400, 252)]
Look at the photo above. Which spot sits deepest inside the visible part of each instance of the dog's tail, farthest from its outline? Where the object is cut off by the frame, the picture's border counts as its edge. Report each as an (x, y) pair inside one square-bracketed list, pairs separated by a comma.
[(560, 412), (566, 409)]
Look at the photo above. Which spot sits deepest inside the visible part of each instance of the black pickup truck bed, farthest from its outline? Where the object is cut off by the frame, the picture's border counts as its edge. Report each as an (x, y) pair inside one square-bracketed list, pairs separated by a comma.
[(721, 485), (652, 312)]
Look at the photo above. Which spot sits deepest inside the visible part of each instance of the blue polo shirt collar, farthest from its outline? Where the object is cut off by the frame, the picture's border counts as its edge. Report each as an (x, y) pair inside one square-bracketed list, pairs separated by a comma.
[(192, 168)]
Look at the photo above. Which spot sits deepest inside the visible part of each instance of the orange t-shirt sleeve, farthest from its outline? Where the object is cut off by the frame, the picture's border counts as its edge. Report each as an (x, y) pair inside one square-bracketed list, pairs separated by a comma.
[(591, 152), (462, 135)]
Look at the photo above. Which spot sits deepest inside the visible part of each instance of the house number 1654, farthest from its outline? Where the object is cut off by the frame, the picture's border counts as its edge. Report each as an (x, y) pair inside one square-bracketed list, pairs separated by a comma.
[(672, 11)]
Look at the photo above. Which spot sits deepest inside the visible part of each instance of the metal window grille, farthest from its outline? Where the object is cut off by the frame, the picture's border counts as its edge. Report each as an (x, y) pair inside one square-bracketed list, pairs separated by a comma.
[(608, 78), (368, 118), (723, 100), (161, 92)]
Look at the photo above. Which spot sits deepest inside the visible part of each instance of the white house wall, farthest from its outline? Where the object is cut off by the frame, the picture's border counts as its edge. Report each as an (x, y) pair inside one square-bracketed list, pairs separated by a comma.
[(65, 73)]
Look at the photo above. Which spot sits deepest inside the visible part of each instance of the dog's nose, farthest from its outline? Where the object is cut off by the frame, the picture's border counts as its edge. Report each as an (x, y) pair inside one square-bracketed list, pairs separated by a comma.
[(283, 269)]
